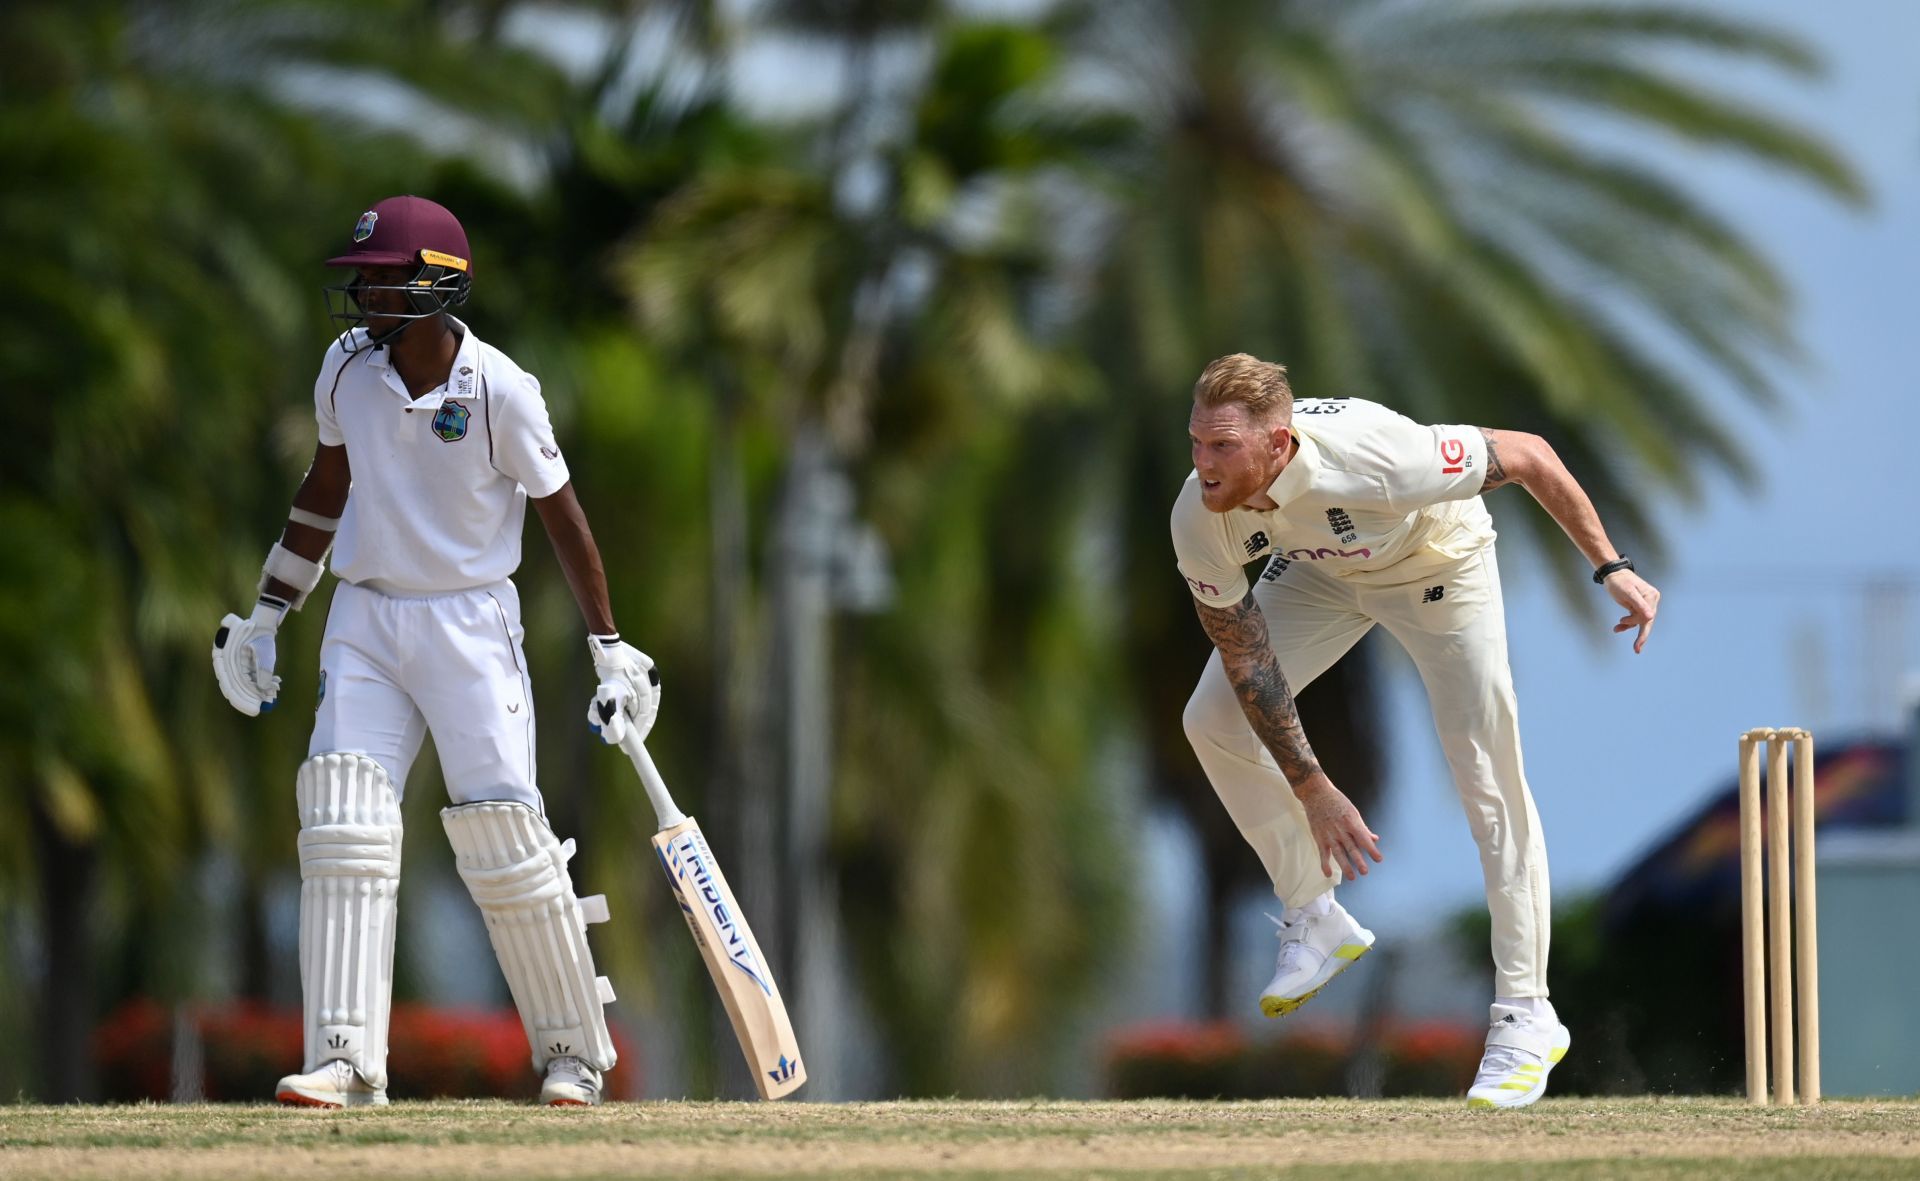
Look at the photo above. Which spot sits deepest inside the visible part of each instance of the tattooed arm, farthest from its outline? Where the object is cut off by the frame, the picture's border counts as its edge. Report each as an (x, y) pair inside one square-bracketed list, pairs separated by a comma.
[(1515, 457), (1240, 633)]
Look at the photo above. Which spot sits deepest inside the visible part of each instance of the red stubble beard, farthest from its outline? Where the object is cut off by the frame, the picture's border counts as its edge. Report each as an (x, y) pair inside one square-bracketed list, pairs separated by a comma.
[(1232, 490)]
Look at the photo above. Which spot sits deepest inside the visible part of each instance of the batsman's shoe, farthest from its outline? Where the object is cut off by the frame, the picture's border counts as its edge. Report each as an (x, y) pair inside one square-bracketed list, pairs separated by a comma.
[(335, 1084), (1314, 948), (570, 1083), (1521, 1050)]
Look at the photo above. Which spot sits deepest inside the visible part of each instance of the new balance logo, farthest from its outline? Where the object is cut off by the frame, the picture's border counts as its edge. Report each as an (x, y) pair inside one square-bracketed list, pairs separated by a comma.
[(1433, 594), (784, 1071), (338, 1041), (559, 1048), (1256, 543)]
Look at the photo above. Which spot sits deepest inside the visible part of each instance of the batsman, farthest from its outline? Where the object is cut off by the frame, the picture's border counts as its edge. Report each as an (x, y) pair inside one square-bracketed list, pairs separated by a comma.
[(431, 442), (1366, 517)]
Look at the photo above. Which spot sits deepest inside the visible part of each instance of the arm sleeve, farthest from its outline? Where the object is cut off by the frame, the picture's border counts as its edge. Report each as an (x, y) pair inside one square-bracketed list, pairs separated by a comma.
[(1211, 573), (1430, 464), (325, 389), (522, 440)]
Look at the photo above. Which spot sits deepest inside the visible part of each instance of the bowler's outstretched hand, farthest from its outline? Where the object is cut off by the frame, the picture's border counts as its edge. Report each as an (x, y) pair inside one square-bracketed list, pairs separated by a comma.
[(1639, 600)]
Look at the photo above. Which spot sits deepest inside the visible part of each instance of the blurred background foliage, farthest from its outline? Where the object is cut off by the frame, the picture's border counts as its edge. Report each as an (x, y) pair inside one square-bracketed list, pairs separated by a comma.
[(873, 393)]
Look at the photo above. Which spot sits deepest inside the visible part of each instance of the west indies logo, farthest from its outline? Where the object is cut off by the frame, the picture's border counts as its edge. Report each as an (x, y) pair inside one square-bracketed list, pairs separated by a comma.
[(450, 422)]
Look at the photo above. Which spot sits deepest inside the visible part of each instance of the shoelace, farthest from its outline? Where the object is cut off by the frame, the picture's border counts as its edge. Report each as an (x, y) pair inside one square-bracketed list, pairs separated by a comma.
[(571, 1065), (1501, 1061), (343, 1072), (1293, 940)]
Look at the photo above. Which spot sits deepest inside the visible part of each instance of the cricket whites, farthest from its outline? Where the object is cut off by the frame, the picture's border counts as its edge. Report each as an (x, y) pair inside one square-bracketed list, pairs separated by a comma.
[(740, 973)]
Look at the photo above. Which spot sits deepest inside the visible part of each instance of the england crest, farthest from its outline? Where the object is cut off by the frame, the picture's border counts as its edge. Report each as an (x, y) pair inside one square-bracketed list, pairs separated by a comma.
[(450, 422), (363, 229)]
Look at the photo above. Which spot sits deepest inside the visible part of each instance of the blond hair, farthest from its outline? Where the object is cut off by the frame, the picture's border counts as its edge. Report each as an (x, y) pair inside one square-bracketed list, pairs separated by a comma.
[(1260, 386)]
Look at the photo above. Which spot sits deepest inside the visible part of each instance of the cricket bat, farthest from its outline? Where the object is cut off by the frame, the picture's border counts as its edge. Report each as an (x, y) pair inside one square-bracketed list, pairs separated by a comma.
[(740, 973)]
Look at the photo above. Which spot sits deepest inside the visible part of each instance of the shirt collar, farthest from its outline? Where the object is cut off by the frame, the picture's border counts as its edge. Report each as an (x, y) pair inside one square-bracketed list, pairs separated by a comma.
[(461, 382), (1300, 471)]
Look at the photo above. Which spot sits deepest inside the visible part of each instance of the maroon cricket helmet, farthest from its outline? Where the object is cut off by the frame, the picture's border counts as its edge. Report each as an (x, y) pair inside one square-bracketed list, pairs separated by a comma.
[(402, 231)]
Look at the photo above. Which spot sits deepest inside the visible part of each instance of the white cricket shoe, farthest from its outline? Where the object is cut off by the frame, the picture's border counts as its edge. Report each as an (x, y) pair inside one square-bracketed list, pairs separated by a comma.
[(1521, 1049), (1314, 948), (334, 1084), (570, 1083)]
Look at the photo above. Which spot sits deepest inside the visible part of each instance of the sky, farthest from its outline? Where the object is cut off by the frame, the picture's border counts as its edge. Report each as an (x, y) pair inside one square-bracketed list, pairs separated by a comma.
[(1782, 606)]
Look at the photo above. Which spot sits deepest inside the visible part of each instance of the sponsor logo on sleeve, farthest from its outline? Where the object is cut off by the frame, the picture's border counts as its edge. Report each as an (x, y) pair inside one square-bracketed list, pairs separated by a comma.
[(1202, 588), (1453, 457)]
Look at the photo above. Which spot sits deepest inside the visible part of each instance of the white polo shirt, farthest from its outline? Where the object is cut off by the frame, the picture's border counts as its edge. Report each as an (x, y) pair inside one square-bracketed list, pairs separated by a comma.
[(440, 482), (1366, 489)]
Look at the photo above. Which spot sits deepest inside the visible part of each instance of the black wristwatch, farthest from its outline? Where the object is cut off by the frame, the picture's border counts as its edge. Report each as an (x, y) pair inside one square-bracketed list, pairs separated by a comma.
[(1623, 562)]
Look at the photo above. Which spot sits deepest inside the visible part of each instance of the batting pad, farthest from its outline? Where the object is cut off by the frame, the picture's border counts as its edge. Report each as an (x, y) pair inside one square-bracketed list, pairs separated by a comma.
[(349, 883), (516, 869)]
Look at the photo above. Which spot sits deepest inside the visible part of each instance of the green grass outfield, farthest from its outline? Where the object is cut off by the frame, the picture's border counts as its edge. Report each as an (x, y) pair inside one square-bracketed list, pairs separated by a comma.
[(1352, 1139)]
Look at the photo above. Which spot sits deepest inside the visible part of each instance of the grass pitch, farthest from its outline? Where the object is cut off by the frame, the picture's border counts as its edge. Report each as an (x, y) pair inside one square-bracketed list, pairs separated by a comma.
[(1357, 1140)]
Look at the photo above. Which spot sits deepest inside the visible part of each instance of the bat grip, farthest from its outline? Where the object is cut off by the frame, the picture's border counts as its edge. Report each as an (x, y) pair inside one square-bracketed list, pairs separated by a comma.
[(663, 805)]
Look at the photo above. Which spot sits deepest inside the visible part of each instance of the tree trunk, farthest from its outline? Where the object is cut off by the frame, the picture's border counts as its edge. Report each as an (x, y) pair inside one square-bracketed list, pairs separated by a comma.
[(744, 825), (1216, 971), (69, 877), (256, 962)]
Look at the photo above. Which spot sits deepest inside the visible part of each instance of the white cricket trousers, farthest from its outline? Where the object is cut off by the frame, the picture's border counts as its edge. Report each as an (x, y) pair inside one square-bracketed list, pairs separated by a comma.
[(394, 667), (1447, 612)]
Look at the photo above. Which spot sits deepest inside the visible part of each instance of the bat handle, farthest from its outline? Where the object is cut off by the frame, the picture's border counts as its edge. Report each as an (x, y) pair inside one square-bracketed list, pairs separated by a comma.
[(663, 805)]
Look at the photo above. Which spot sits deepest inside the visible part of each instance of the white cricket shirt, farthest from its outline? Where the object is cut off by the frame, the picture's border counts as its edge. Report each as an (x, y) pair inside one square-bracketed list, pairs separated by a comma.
[(1367, 488), (440, 482)]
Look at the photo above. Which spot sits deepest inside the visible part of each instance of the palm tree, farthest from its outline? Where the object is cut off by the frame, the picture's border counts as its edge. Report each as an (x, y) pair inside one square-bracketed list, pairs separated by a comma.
[(1410, 201), (891, 339), (166, 196)]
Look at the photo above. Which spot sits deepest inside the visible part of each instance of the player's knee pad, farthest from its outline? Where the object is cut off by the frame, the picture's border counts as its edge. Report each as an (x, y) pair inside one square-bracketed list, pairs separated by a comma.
[(516, 870), (349, 884)]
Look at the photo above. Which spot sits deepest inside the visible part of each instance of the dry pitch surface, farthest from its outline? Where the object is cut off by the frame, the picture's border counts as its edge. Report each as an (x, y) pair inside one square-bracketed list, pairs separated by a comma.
[(1564, 1139)]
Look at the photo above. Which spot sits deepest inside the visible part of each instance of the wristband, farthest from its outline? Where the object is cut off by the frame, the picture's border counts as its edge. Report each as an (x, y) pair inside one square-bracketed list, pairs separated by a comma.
[(300, 516), (283, 565), (269, 611), (1623, 562)]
